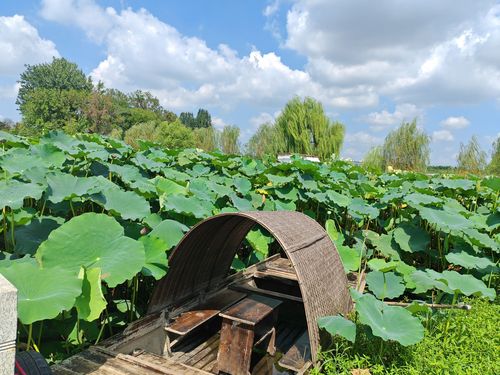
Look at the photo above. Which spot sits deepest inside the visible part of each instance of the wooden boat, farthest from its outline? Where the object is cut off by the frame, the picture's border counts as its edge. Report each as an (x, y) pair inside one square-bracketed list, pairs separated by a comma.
[(203, 320)]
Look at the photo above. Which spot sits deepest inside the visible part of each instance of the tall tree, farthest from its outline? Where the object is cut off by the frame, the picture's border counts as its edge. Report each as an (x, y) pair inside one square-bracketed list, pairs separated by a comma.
[(203, 119), (302, 127), (229, 142), (263, 141), (206, 138), (59, 75), (471, 158), (175, 135), (187, 119), (374, 160), (407, 148), (494, 166)]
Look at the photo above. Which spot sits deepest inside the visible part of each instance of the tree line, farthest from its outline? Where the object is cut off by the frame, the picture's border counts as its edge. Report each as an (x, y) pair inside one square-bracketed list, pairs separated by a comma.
[(59, 96), (408, 148)]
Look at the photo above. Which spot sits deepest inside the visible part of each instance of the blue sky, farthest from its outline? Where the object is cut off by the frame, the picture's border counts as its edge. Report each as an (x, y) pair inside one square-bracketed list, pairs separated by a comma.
[(371, 64)]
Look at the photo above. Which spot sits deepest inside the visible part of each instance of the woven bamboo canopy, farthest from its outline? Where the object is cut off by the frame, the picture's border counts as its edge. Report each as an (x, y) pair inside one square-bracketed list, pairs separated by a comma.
[(203, 258)]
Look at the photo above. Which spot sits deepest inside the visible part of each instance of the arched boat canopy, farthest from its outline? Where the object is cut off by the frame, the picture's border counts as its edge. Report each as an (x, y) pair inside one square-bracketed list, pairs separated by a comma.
[(203, 258)]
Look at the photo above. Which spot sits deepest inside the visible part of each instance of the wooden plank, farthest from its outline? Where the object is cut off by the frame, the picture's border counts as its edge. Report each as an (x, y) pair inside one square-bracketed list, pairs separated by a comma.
[(189, 354), (190, 320), (298, 355), (61, 370), (251, 310), (265, 292), (235, 348)]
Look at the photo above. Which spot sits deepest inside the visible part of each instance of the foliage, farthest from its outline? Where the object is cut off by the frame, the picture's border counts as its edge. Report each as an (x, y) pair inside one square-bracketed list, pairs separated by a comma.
[(175, 135), (146, 131), (455, 342), (432, 238), (494, 166), (303, 128), (60, 75), (471, 158), (229, 136), (374, 160), (206, 138), (263, 142), (407, 148), (202, 119)]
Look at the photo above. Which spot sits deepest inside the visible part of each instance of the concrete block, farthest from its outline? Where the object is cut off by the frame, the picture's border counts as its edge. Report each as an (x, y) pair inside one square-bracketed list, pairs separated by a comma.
[(8, 326)]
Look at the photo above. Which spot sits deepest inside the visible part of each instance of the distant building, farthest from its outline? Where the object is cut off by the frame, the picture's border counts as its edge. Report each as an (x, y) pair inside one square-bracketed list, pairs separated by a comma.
[(288, 158)]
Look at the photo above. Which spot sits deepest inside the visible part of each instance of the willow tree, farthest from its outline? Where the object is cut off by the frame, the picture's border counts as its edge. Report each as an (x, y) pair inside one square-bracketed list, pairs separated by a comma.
[(229, 142), (407, 148), (303, 128), (205, 138), (263, 142), (494, 166), (374, 159), (471, 158)]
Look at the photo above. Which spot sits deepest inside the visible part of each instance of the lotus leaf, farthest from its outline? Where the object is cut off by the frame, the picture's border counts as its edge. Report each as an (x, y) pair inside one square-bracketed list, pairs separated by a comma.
[(466, 260), (389, 322), (29, 237), (467, 284), (42, 293), (191, 206), (93, 240), (13, 192), (170, 231), (91, 302), (338, 325), (385, 285), (156, 257), (411, 238)]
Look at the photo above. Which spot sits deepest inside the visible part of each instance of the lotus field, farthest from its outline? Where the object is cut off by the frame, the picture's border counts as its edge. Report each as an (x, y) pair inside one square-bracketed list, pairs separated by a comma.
[(88, 223)]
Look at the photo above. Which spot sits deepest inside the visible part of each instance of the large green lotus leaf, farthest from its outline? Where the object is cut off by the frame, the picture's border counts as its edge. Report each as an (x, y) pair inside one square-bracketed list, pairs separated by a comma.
[(411, 238), (170, 231), (387, 246), (175, 175), (418, 198), (219, 189), (288, 193), (453, 206), (133, 177), (455, 184), (198, 188), (169, 187), (12, 140), (467, 284), (350, 257), (385, 285), (93, 240), (331, 229), (91, 302), (277, 180), (480, 239), (17, 161), (191, 206), (13, 192), (156, 256), (493, 183), (65, 186), (258, 241), (62, 141), (426, 280), (50, 154), (338, 325), (241, 204), (28, 237), (468, 261), (389, 322), (127, 204), (284, 205), (378, 264), (142, 161), (340, 200), (199, 170), (42, 293), (242, 185), (359, 207), (444, 220)]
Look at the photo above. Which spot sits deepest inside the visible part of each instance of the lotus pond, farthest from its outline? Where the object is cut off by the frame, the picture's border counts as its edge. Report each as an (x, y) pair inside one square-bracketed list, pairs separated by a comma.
[(88, 223)]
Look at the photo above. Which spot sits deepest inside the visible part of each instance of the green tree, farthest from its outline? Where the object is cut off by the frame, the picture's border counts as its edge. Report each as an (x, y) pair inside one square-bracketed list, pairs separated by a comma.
[(494, 166), (303, 128), (407, 148), (175, 135), (263, 142), (471, 158), (205, 138), (203, 119), (52, 96), (229, 139), (374, 160), (187, 119), (147, 131)]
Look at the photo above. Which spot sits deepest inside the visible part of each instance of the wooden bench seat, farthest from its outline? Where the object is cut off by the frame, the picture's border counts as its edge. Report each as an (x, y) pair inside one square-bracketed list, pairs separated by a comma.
[(246, 324), (298, 357), (190, 320)]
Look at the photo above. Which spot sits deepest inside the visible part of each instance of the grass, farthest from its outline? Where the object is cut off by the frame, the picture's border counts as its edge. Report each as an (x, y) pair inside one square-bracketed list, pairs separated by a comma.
[(455, 342)]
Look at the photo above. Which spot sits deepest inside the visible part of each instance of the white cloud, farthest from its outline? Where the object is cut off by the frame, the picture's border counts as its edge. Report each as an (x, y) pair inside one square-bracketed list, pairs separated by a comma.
[(21, 44), (455, 122), (218, 123), (402, 112), (262, 118), (423, 52), (442, 135), (363, 138)]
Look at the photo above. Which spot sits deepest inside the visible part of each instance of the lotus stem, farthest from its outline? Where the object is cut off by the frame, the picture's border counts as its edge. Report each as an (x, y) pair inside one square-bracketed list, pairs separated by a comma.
[(30, 336), (4, 228), (12, 225)]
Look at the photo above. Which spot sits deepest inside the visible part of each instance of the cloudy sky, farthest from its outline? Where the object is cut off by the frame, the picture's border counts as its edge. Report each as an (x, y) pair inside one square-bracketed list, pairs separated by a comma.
[(373, 64)]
